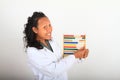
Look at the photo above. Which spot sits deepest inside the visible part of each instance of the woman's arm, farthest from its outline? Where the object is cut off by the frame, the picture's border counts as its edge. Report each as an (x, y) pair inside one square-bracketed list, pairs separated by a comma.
[(46, 65)]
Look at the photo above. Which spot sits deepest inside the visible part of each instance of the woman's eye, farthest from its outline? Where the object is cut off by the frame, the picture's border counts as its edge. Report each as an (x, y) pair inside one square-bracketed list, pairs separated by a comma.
[(49, 25), (45, 26)]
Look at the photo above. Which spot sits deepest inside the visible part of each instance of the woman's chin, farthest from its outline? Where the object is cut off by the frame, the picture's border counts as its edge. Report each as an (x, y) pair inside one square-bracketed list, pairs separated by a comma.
[(49, 38)]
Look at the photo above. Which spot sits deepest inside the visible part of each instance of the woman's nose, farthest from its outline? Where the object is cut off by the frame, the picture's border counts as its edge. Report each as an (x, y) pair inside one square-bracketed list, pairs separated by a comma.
[(49, 29)]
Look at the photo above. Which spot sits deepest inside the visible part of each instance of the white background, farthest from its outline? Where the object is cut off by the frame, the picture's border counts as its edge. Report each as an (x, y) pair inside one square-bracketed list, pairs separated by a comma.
[(98, 19)]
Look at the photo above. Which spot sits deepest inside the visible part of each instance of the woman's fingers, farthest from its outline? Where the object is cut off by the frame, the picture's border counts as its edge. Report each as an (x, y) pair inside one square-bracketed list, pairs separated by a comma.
[(81, 53), (82, 48), (86, 53)]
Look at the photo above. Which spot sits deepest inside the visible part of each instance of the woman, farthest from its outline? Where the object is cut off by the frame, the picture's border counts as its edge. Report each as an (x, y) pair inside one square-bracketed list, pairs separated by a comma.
[(44, 56)]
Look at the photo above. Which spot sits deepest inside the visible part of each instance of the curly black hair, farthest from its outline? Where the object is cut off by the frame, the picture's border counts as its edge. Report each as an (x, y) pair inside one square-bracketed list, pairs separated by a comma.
[(30, 36)]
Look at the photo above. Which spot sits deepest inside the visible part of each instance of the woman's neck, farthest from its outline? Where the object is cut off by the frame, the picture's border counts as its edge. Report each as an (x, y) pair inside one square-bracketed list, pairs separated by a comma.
[(43, 42)]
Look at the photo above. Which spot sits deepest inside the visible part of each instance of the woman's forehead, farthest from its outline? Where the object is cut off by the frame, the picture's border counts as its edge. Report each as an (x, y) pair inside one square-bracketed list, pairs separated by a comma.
[(44, 20)]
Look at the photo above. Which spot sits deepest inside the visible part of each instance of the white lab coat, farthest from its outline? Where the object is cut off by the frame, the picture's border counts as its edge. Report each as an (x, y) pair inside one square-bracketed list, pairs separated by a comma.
[(47, 65)]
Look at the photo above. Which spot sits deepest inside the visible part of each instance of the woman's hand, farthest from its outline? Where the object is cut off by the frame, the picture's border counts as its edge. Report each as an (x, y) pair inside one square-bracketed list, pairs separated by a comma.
[(81, 53), (86, 53)]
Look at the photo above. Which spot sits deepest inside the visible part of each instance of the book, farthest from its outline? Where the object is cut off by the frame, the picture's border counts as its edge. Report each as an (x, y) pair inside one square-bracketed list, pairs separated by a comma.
[(71, 43)]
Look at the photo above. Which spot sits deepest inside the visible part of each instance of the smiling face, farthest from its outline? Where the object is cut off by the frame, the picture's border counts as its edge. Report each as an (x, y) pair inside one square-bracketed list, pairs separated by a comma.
[(43, 29)]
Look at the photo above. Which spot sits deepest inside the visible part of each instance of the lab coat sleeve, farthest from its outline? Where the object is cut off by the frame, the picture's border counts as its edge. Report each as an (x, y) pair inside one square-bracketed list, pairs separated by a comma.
[(47, 66)]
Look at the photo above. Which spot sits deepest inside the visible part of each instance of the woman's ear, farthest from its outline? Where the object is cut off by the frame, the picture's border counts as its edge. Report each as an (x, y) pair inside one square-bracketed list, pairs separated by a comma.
[(34, 29)]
